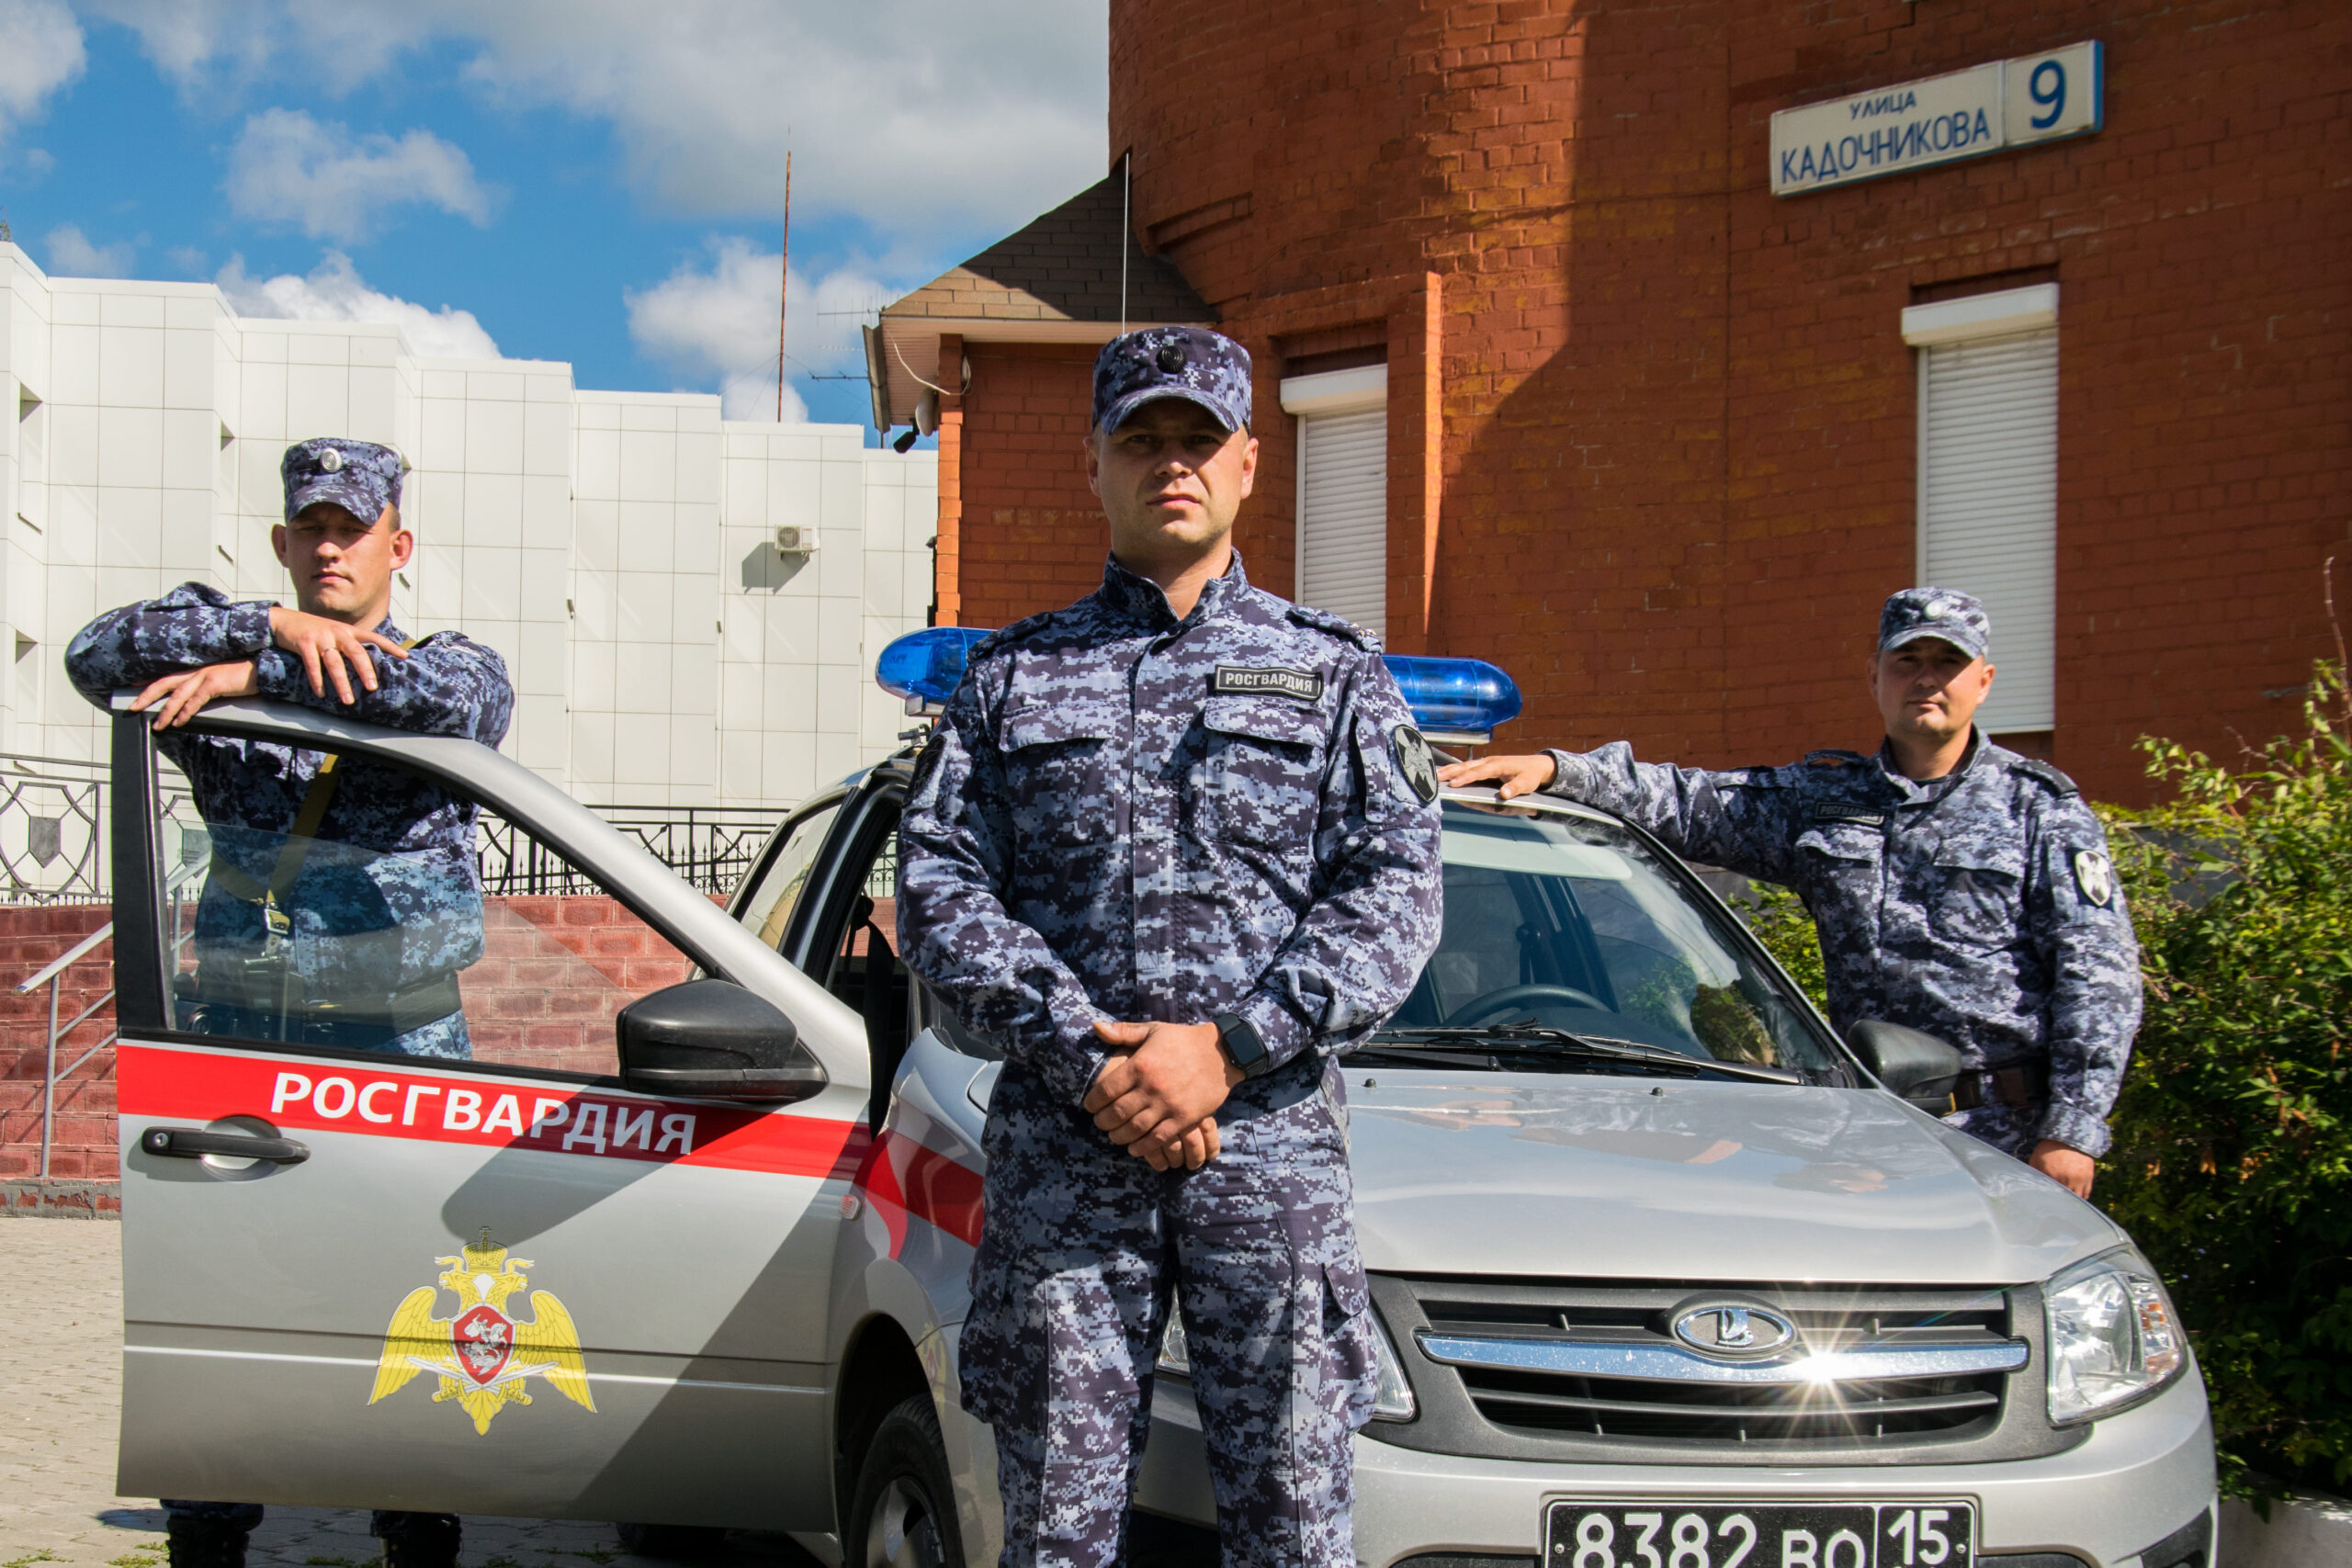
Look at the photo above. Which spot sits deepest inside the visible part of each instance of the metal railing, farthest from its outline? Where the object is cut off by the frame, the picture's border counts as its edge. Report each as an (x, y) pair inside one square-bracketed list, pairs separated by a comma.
[(53, 976), (712, 847), (53, 828), (52, 838)]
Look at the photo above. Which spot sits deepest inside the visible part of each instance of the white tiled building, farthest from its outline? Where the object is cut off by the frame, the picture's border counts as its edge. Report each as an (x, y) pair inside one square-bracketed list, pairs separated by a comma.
[(618, 548)]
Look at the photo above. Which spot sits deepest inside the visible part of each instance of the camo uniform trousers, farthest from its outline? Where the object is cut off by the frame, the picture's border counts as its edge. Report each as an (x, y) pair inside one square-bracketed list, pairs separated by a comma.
[(1085, 1247)]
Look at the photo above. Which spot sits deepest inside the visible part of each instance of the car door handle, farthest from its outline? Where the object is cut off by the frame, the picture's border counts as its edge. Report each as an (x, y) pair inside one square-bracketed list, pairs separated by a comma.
[(194, 1143)]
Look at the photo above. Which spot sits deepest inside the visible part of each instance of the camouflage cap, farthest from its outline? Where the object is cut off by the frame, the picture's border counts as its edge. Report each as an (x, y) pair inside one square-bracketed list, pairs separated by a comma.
[(358, 476), (1958, 618), (1192, 363)]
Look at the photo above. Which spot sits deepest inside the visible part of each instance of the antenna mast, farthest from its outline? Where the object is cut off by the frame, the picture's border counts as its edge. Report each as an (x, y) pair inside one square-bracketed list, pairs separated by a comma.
[(783, 288)]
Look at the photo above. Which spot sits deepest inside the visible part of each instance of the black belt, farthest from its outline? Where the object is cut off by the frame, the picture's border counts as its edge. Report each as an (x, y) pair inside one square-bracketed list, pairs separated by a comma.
[(2020, 1087), (409, 1007)]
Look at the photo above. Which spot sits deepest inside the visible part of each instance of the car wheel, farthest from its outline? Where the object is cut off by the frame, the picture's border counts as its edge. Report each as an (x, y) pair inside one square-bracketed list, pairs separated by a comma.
[(673, 1542), (904, 1513)]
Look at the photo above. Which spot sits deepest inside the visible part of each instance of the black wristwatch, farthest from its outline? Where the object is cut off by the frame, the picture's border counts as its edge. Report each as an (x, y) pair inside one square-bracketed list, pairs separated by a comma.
[(1242, 1047)]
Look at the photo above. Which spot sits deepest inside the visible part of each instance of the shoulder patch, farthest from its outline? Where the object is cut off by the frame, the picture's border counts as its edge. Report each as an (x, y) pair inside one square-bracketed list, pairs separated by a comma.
[(1833, 759), (1415, 767), (2094, 876), (1338, 626), (2047, 777)]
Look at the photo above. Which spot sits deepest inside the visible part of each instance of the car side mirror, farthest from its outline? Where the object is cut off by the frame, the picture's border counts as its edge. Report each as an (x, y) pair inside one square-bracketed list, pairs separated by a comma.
[(1916, 1066), (714, 1040)]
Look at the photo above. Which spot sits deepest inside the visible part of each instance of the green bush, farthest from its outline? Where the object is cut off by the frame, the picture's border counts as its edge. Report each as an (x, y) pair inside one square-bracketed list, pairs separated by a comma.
[(2232, 1157), (1785, 926)]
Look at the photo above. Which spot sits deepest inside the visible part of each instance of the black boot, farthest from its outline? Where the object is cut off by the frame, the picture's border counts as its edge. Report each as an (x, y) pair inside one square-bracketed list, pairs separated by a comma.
[(418, 1541), (203, 1543)]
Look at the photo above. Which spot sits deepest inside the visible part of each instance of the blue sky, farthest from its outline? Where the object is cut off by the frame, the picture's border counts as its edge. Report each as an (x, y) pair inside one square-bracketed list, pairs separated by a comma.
[(597, 181)]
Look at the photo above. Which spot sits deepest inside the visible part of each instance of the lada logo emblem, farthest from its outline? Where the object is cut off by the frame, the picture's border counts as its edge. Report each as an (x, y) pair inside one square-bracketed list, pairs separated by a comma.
[(1733, 1330)]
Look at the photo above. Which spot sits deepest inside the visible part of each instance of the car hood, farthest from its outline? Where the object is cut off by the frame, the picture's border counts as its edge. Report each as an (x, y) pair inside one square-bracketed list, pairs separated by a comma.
[(1563, 1175)]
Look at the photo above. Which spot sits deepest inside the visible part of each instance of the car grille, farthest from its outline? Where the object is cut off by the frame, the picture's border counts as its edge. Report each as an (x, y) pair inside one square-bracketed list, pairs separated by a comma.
[(1509, 1368)]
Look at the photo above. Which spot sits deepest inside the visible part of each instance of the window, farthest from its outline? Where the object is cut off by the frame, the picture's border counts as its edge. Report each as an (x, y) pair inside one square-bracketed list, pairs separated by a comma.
[(856, 952), (1343, 491), (1988, 480), (352, 936), (1573, 924), (776, 890)]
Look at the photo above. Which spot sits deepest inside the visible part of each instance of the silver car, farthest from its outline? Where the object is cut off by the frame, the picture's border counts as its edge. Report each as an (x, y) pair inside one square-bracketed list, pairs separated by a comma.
[(1664, 1275)]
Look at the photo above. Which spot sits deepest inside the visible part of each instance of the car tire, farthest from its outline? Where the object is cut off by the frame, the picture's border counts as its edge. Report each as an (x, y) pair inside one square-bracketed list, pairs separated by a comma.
[(903, 1514), (671, 1542)]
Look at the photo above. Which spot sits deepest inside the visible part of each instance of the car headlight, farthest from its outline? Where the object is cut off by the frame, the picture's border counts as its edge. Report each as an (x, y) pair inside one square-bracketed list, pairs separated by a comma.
[(1392, 1401), (2114, 1336)]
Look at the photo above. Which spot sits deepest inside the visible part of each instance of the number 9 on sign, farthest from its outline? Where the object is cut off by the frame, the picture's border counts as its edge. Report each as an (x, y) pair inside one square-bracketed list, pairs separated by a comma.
[(2044, 96), (2047, 87)]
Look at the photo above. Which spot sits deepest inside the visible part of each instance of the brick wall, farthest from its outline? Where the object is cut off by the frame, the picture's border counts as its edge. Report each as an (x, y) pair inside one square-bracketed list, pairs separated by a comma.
[(553, 974), (1677, 421), (1033, 536), (85, 1149)]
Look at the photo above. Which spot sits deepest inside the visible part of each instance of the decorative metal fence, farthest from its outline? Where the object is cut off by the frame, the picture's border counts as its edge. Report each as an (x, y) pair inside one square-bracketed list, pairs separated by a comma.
[(53, 828), (710, 846), (53, 837)]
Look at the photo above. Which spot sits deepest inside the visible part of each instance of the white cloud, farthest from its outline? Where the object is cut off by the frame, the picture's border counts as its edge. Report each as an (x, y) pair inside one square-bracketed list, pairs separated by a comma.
[(41, 52), (908, 114), (71, 254), (289, 168), (717, 323), (335, 292), (217, 46)]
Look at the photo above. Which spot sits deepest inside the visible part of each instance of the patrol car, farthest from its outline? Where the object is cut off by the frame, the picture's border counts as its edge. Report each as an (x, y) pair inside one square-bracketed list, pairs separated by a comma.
[(1665, 1274)]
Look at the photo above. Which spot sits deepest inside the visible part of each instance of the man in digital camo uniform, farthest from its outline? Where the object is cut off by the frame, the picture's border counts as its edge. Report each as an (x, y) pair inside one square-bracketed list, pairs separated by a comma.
[(1960, 888), (1172, 848), (341, 901)]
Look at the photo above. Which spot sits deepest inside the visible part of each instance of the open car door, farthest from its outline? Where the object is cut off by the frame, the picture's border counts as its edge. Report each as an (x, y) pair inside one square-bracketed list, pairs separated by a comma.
[(545, 1275)]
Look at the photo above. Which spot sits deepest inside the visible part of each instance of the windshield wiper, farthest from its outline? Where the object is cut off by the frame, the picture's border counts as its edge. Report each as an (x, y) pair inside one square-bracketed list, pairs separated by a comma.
[(1536, 1039)]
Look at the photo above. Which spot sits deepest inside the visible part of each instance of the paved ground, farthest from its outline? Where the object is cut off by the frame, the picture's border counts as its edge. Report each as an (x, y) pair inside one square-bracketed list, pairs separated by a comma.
[(60, 1369)]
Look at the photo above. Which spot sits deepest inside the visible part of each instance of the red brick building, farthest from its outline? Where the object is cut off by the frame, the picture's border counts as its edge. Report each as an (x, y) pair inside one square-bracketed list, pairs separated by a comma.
[(1583, 396)]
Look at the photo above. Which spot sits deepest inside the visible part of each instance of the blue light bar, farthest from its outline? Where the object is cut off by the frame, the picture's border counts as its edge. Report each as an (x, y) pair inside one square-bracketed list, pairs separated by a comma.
[(1454, 699), (925, 667)]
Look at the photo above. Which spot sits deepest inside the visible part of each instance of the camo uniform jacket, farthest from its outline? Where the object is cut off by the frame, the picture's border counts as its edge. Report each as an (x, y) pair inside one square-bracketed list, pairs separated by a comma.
[(1122, 815), (1980, 907), (389, 894)]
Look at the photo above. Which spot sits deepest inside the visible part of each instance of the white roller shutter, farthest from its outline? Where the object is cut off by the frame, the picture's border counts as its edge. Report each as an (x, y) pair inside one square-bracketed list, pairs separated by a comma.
[(1343, 514), (1988, 504)]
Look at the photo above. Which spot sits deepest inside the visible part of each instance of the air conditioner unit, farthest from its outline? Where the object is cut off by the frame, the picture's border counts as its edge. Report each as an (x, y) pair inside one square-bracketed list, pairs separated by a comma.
[(796, 540)]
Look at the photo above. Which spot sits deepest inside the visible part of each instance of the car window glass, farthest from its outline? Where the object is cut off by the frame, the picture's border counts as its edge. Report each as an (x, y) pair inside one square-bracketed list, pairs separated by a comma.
[(769, 908), (1574, 924), (408, 920), (869, 927)]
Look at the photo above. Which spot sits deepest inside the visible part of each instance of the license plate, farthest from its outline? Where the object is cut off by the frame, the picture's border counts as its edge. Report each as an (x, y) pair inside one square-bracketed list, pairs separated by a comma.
[(1760, 1535)]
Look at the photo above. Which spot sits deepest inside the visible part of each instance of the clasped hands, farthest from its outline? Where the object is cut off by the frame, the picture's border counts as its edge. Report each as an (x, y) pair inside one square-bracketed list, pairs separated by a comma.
[(330, 650), (1157, 1094)]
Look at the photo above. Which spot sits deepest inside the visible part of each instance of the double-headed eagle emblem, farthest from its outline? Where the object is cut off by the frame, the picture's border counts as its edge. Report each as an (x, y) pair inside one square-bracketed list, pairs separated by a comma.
[(483, 1353)]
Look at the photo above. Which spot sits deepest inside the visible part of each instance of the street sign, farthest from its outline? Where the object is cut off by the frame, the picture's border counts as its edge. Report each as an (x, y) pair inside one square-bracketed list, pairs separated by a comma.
[(1993, 107)]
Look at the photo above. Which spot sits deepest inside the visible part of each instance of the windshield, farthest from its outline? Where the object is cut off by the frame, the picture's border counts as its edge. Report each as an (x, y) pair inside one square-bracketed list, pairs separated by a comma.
[(1573, 924)]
